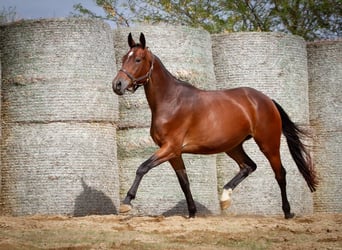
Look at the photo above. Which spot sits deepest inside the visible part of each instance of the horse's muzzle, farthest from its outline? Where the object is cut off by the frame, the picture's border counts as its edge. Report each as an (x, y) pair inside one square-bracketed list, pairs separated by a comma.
[(119, 86)]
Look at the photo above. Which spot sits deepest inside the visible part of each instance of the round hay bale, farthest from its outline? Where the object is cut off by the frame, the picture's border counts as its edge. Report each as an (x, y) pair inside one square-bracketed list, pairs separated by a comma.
[(325, 93), (56, 70), (186, 53), (275, 64), (0, 126), (59, 144), (159, 192), (57, 48), (59, 168), (59, 100)]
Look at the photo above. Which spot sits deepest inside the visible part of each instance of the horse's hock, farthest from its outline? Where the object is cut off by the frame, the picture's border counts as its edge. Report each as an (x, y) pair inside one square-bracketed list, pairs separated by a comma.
[(275, 64), (58, 151), (186, 53), (325, 93)]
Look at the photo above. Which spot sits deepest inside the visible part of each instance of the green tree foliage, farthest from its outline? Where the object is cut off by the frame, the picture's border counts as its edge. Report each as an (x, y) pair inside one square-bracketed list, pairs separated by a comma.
[(311, 19), (8, 15), (200, 13), (113, 11)]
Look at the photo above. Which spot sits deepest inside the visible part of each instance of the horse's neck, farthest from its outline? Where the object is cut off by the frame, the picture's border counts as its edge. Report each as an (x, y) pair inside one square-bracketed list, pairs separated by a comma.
[(161, 88)]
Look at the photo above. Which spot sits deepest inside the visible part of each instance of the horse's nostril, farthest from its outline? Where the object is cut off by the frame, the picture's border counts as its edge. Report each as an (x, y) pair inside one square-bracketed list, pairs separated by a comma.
[(118, 85)]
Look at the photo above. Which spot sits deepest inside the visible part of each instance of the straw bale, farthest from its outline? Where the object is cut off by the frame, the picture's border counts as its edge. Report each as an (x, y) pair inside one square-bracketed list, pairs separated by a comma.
[(0, 122), (59, 99), (185, 52), (58, 69), (275, 64), (325, 93), (60, 112), (57, 48), (159, 191), (59, 168)]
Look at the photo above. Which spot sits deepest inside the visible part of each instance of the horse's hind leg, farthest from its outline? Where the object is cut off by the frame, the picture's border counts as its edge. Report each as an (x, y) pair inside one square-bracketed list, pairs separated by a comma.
[(280, 175), (178, 166), (270, 148), (247, 166)]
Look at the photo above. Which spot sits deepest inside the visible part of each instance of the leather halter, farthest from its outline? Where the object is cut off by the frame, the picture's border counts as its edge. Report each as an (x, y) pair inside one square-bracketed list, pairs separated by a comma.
[(140, 81)]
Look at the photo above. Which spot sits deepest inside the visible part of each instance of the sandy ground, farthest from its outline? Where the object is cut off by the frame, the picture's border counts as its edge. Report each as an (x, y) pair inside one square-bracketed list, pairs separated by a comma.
[(317, 231)]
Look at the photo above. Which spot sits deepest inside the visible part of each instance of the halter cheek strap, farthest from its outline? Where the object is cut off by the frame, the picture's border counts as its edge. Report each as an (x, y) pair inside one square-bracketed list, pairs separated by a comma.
[(140, 81)]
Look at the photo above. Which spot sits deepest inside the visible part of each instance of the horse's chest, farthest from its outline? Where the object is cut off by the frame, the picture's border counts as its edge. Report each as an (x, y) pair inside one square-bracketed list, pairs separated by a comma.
[(166, 131), (158, 134), (156, 137)]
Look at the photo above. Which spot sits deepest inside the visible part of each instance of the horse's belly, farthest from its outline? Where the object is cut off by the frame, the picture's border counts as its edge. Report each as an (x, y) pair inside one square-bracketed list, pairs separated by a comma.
[(217, 141)]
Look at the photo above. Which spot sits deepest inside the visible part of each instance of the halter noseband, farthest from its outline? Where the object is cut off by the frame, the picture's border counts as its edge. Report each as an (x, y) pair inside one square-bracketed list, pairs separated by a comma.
[(140, 81)]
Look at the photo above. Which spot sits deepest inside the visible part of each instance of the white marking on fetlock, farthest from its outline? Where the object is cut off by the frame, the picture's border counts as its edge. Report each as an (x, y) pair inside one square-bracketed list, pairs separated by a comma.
[(226, 199), (226, 194)]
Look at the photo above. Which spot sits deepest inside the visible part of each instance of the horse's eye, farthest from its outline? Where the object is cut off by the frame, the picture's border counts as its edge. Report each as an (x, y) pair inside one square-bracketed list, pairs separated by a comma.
[(137, 60)]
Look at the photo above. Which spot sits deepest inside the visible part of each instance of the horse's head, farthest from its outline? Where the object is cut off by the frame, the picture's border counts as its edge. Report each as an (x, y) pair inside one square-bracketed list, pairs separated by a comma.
[(136, 69)]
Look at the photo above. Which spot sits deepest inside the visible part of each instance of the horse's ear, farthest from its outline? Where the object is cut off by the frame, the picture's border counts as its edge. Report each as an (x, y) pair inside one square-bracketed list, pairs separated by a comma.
[(142, 40), (131, 42)]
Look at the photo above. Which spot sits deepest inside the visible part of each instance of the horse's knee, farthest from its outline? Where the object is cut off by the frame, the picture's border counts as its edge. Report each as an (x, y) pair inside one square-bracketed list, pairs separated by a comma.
[(145, 167), (141, 171)]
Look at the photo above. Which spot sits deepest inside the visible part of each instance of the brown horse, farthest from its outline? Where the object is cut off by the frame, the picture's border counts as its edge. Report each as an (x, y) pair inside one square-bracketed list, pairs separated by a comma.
[(190, 120)]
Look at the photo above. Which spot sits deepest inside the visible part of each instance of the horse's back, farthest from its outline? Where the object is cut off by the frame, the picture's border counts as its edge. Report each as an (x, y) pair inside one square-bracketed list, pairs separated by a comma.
[(247, 94), (252, 103)]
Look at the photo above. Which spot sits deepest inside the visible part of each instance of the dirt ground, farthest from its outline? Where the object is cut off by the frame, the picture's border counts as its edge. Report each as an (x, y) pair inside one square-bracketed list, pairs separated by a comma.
[(317, 231)]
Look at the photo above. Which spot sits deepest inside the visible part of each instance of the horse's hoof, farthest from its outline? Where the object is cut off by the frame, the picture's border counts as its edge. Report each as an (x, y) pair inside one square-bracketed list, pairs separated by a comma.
[(225, 204), (226, 199), (124, 208), (289, 215), (192, 216)]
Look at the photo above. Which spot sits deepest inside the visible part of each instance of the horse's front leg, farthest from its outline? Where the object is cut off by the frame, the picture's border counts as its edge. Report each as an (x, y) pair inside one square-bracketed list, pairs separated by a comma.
[(162, 155), (178, 165)]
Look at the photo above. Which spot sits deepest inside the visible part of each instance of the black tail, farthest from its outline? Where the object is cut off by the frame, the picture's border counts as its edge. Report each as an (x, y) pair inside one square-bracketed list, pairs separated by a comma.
[(297, 149)]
